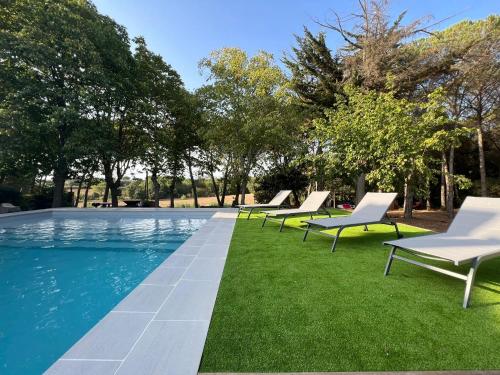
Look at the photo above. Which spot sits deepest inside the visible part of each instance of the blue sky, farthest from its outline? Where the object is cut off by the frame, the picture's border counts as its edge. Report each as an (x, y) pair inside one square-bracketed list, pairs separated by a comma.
[(185, 31)]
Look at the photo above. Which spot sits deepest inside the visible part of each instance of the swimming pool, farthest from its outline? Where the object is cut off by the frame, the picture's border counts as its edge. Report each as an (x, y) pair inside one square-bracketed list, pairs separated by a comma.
[(60, 273)]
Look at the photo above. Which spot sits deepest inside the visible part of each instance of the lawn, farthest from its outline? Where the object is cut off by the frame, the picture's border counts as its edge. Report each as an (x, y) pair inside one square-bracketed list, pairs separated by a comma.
[(285, 305)]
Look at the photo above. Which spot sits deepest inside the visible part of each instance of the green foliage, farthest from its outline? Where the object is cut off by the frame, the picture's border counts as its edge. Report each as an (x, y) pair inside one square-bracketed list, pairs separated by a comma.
[(388, 138), (72, 96), (42, 198), (52, 56), (75, 100), (292, 178), (248, 112), (316, 75), (9, 195)]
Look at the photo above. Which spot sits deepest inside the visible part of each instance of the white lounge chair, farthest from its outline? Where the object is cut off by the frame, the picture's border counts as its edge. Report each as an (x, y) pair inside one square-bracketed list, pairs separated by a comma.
[(6, 208), (312, 205), (276, 202), (371, 210), (473, 237)]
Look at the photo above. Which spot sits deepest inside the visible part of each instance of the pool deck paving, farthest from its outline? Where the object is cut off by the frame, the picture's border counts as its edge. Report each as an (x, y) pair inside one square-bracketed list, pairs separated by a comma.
[(161, 326)]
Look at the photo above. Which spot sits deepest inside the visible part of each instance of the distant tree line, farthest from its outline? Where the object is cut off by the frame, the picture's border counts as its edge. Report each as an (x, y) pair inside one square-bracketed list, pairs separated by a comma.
[(399, 107)]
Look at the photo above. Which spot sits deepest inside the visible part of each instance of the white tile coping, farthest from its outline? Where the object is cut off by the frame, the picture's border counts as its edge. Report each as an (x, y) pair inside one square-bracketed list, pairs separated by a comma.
[(162, 325)]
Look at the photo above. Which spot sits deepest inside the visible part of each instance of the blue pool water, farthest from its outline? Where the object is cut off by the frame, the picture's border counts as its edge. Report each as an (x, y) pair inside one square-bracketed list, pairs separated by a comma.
[(61, 274)]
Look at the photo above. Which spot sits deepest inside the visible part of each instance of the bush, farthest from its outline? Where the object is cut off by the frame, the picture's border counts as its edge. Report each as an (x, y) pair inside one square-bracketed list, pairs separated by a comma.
[(43, 199), (10, 195), (291, 178), (148, 203)]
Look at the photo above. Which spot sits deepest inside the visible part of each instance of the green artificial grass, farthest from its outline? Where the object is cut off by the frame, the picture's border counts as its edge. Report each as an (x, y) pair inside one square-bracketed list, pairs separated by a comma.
[(285, 305)]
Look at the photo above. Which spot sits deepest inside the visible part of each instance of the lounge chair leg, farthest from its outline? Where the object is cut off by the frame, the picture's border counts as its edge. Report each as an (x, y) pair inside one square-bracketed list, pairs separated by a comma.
[(366, 228), (239, 212), (307, 232), (265, 219), (336, 239), (389, 261), (470, 282), (250, 213), (397, 230), (282, 223)]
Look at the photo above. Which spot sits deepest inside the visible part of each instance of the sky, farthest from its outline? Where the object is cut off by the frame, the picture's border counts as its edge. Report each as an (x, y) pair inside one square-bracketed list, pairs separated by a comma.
[(185, 31)]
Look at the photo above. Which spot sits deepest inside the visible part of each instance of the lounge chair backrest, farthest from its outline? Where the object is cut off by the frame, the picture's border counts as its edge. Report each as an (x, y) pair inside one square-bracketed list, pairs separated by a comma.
[(373, 206), (280, 198), (315, 200), (479, 217)]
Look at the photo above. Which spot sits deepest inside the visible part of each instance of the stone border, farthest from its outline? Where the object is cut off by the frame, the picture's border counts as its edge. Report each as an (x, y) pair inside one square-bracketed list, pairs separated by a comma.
[(162, 325)]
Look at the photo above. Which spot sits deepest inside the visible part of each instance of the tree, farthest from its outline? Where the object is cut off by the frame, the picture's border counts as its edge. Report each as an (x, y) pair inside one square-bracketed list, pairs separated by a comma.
[(49, 49), (160, 106), (480, 69), (113, 106), (316, 75), (316, 79), (247, 97), (461, 59), (216, 152), (393, 138)]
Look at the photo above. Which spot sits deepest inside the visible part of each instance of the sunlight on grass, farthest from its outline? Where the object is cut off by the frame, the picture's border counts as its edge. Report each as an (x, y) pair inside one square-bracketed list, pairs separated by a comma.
[(287, 305)]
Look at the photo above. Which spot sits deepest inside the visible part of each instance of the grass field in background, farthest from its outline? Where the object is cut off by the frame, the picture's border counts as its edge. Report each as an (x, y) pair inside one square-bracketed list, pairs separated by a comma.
[(285, 306), (188, 202)]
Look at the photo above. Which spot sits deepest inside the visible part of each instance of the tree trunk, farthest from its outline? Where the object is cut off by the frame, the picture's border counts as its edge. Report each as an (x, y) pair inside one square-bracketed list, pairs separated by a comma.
[(146, 187), (86, 196), (193, 182), (112, 186), (296, 198), (319, 169), (408, 198), (482, 165), (238, 191), (450, 183), (32, 185), (59, 180), (156, 188), (106, 193), (216, 189), (115, 192), (360, 188), (443, 182), (244, 182), (224, 186), (79, 190), (172, 192)]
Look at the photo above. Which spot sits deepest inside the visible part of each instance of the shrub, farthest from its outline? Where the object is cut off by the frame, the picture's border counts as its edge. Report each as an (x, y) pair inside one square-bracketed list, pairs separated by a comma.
[(43, 199), (148, 203), (292, 178), (10, 195)]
